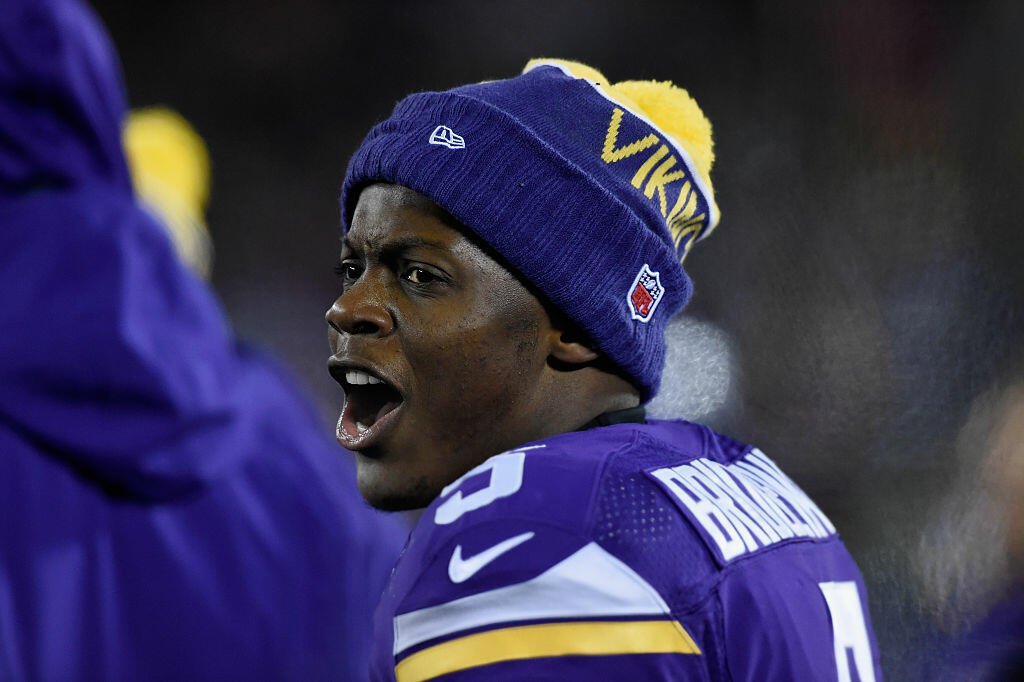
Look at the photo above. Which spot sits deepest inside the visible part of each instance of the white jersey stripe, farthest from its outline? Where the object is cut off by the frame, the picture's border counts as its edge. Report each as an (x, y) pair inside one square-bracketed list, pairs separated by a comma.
[(588, 584)]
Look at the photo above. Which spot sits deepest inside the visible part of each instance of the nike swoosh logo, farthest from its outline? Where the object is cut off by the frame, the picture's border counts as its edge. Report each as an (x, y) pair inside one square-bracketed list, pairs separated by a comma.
[(461, 570)]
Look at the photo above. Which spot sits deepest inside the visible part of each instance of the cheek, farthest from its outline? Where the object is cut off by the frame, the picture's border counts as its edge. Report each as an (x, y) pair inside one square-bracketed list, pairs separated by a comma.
[(473, 371)]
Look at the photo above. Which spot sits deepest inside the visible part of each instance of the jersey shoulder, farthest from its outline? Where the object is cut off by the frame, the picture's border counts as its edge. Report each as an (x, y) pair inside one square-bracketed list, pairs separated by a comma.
[(542, 504), (643, 542), (568, 483), (512, 545)]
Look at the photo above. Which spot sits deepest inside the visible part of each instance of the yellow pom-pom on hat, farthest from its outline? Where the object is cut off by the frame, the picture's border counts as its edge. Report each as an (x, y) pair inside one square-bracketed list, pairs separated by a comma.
[(170, 170), (669, 107), (673, 110)]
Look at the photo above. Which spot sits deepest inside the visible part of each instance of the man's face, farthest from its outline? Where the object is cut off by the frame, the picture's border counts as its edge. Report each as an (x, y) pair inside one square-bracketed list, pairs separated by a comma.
[(456, 339)]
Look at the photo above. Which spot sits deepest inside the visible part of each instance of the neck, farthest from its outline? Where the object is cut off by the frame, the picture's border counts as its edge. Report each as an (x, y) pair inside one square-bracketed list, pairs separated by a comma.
[(582, 396), (630, 415)]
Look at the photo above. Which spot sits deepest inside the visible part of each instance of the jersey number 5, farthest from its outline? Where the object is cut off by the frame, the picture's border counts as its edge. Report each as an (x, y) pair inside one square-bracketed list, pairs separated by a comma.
[(506, 478), (849, 632)]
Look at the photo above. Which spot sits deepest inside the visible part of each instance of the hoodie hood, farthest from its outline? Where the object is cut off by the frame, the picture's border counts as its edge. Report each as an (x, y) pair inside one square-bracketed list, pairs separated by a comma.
[(114, 358), (61, 100)]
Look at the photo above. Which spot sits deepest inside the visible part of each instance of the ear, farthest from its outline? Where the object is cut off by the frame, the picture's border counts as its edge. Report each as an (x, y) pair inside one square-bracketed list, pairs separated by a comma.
[(570, 349)]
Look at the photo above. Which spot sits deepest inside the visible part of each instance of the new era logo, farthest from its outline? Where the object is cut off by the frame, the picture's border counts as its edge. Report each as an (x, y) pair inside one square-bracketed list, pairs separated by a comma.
[(645, 294), (446, 137)]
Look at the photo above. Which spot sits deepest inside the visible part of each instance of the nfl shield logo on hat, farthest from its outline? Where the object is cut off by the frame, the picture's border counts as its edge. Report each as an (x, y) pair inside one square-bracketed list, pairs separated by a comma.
[(645, 294)]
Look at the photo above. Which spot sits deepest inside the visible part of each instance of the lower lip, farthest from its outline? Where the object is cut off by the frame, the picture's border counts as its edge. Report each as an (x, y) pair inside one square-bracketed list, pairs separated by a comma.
[(371, 435)]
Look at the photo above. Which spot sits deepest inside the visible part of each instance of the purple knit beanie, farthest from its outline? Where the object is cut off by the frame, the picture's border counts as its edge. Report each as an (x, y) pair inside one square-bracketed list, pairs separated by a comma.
[(592, 191)]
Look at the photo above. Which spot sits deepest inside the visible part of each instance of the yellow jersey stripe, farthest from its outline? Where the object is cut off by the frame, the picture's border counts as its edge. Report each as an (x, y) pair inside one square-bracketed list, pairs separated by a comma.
[(589, 585), (587, 638)]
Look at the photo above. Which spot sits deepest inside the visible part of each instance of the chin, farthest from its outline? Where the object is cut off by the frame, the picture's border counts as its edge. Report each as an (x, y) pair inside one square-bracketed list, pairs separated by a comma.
[(387, 492)]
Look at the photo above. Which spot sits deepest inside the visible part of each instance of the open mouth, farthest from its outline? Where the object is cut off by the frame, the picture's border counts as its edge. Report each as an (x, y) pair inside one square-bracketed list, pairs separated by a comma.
[(370, 404)]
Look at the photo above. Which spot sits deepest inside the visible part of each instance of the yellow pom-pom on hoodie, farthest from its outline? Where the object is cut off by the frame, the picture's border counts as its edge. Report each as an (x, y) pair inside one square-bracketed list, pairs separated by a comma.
[(170, 170)]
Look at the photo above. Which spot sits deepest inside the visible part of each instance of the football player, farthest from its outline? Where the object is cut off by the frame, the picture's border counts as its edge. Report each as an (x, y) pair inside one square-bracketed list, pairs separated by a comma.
[(512, 253)]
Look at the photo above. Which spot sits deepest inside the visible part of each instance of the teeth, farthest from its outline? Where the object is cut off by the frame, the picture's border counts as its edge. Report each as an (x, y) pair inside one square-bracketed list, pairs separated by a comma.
[(357, 378)]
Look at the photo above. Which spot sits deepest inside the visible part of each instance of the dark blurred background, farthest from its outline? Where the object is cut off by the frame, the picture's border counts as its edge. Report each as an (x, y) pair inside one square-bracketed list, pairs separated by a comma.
[(855, 312)]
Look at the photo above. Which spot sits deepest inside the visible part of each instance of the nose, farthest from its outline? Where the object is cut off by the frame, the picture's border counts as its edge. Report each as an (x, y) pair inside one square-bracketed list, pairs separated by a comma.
[(355, 312)]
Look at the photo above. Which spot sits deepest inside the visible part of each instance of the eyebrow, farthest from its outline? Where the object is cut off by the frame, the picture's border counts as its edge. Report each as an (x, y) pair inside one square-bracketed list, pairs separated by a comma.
[(402, 244)]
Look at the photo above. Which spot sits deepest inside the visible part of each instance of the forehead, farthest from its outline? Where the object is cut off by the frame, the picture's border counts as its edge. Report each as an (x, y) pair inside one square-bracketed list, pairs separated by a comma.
[(385, 213)]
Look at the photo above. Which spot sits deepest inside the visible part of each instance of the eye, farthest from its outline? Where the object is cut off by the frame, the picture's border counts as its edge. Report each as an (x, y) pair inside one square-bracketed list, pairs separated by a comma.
[(419, 276), (348, 270)]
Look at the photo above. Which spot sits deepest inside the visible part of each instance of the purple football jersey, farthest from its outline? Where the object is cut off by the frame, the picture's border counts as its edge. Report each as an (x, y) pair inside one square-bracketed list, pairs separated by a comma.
[(655, 551)]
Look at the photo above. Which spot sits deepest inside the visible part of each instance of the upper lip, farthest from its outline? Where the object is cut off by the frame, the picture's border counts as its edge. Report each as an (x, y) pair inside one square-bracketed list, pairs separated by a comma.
[(337, 366)]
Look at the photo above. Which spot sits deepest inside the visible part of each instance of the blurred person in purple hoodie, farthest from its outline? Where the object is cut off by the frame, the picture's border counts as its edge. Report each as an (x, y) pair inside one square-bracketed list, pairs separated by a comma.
[(170, 506)]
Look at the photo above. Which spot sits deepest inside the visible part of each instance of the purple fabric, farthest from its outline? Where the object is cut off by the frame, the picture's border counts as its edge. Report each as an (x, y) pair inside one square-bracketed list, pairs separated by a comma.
[(61, 100), (761, 615), (777, 624), (170, 506), (993, 650)]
